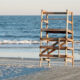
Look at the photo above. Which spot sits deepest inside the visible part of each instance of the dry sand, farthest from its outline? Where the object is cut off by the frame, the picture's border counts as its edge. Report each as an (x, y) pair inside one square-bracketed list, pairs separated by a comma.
[(57, 71)]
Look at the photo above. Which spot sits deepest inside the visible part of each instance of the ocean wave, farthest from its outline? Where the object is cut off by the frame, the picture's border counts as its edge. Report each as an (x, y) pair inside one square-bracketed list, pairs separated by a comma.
[(19, 42), (25, 42), (77, 41)]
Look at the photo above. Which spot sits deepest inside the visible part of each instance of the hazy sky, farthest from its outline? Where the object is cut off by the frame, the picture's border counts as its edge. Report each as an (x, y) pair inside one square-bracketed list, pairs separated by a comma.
[(31, 7)]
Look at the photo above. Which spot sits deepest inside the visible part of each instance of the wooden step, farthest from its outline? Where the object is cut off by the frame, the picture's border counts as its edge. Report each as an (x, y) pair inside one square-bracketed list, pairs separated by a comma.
[(56, 31), (56, 39), (45, 21), (49, 39), (70, 22), (54, 19), (70, 40), (54, 12), (57, 48), (55, 56), (45, 59), (69, 60)]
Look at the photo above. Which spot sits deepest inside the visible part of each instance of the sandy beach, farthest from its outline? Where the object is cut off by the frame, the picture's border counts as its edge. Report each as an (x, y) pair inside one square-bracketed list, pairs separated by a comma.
[(57, 71)]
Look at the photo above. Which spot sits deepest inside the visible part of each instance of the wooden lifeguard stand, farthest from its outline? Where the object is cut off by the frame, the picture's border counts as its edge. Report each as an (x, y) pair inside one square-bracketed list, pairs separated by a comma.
[(58, 44)]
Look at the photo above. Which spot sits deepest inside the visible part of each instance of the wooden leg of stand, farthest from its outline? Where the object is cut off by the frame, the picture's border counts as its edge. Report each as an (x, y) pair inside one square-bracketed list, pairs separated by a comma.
[(65, 61), (48, 63), (72, 62), (40, 62)]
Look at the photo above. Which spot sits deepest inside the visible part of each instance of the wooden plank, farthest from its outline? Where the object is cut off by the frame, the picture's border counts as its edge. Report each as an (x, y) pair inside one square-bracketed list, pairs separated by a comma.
[(44, 50), (69, 12), (66, 36), (56, 30), (43, 11), (55, 19), (49, 39), (69, 48), (69, 56), (48, 48), (56, 39), (51, 51), (71, 40), (70, 22), (45, 59), (69, 31), (46, 55), (41, 27), (45, 21), (61, 48), (72, 25), (62, 44), (61, 56), (54, 13), (40, 64), (41, 37), (69, 60), (47, 28)]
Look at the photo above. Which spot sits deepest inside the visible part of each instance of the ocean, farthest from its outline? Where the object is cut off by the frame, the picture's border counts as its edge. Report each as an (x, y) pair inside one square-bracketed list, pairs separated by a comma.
[(19, 30), (20, 38), (24, 32)]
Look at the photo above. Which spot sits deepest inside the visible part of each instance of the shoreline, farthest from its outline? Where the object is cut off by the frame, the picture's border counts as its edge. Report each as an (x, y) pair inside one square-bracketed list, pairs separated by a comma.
[(26, 53), (14, 61)]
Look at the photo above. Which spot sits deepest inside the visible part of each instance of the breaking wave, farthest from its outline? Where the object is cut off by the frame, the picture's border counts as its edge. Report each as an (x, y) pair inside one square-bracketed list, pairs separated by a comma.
[(19, 42), (24, 42)]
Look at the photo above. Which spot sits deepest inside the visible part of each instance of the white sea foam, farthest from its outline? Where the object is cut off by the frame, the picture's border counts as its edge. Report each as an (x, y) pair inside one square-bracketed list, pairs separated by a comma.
[(76, 41), (24, 42), (19, 42)]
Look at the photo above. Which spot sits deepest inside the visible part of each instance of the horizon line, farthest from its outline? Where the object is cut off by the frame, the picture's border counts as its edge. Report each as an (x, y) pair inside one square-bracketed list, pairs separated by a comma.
[(26, 14)]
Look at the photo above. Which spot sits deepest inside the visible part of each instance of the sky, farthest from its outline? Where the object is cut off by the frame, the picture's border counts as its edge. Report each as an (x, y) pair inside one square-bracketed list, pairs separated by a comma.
[(33, 7)]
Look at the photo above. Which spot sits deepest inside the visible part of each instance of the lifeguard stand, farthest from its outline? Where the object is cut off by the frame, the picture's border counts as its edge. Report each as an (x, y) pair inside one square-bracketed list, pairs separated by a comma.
[(65, 43)]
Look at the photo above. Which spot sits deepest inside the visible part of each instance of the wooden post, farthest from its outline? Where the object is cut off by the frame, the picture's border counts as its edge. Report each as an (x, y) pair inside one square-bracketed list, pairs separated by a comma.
[(47, 37), (66, 36), (41, 35), (59, 47), (72, 41)]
